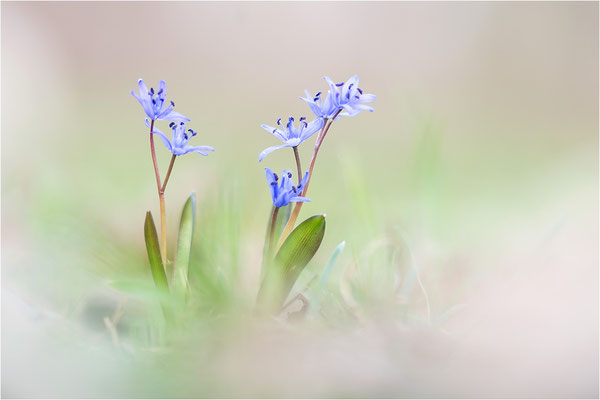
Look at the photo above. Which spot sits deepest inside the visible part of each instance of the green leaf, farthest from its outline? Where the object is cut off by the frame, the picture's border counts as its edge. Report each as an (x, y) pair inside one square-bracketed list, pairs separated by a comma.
[(184, 246), (294, 254), (156, 265)]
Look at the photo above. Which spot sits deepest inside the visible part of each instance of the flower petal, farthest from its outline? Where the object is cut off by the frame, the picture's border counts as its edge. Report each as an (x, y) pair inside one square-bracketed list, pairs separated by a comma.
[(314, 107), (162, 136), (332, 86), (350, 87), (174, 116), (278, 133), (367, 98), (197, 149), (145, 103), (299, 199), (271, 149), (143, 89), (311, 128)]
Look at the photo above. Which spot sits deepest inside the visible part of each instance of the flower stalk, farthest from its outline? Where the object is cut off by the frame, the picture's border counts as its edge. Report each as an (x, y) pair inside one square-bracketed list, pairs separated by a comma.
[(297, 161), (290, 224), (161, 198), (272, 232)]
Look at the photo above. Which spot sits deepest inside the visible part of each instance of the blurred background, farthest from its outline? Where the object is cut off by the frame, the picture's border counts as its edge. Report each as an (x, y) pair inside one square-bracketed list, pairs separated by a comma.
[(468, 200)]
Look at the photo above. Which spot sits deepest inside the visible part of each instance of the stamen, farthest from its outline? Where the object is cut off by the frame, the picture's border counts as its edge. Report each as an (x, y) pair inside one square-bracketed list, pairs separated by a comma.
[(274, 130), (172, 103), (302, 119), (275, 176), (171, 124), (289, 174), (279, 121), (152, 90), (339, 84), (359, 90)]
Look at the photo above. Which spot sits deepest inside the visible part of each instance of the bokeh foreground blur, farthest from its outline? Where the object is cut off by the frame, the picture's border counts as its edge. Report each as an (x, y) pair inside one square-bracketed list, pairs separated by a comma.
[(468, 201)]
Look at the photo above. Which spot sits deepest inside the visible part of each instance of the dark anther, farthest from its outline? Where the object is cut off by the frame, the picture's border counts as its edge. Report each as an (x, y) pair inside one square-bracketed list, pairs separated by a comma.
[(153, 101), (279, 121), (294, 189), (274, 183), (275, 176), (359, 90), (274, 130), (172, 103), (172, 124), (182, 123), (289, 174), (302, 119), (291, 119), (318, 94), (339, 84), (185, 136), (152, 90)]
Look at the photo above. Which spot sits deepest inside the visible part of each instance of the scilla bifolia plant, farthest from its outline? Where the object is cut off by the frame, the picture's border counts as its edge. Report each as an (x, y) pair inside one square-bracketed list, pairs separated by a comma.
[(287, 249), (283, 262), (156, 108)]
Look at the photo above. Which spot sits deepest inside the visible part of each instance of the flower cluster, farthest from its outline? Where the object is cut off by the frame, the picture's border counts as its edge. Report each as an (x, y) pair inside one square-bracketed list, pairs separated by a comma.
[(156, 108), (286, 192), (290, 135), (341, 96), (345, 99)]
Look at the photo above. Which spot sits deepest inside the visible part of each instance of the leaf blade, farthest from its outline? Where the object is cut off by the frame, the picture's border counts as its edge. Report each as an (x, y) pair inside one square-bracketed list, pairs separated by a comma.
[(153, 249), (295, 253)]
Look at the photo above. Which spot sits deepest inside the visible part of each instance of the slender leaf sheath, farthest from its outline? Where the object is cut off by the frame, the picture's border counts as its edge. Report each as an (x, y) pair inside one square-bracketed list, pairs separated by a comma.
[(294, 254), (282, 218), (156, 265)]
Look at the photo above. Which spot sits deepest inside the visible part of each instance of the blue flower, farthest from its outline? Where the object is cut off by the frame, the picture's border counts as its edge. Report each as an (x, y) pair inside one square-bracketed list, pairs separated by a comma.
[(178, 144), (286, 192), (290, 136), (321, 108), (154, 103), (347, 96)]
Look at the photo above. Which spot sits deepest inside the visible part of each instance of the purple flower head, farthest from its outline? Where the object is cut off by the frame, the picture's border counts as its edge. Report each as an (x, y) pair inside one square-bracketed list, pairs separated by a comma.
[(178, 145), (290, 135), (346, 95), (286, 192), (321, 108), (154, 103)]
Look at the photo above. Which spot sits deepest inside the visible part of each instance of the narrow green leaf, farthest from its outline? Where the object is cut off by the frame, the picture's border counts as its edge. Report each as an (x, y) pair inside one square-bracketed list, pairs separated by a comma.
[(294, 254), (184, 245), (156, 265)]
